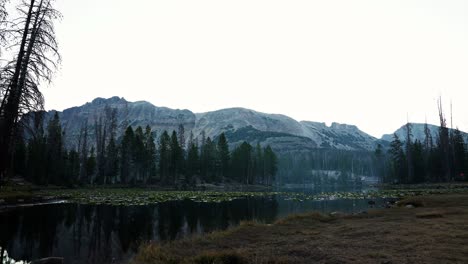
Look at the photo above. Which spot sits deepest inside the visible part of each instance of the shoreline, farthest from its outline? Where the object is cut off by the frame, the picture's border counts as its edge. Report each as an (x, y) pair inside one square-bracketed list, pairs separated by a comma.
[(423, 229)]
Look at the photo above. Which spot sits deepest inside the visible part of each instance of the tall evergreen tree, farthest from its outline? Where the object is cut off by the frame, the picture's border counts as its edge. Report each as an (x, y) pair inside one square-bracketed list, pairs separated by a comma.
[(55, 170), (73, 166), (150, 156), (91, 163), (176, 164), (242, 163), (271, 165), (139, 155), (19, 159), (112, 162), (83, 151), (409, 153), (208, 159), (460, 155), (36, 170), (418, 162), (193, 162), (164, 157), (398, 159), (126, 156), (224, 156)]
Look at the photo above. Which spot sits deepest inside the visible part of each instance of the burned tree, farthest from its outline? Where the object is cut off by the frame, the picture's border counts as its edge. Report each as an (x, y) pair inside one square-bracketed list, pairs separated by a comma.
[(409, 154), (444, 143), (35, 62)]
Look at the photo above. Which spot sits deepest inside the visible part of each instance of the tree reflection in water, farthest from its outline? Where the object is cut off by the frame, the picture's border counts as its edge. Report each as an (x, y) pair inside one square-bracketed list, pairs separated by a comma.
[(106, 234)]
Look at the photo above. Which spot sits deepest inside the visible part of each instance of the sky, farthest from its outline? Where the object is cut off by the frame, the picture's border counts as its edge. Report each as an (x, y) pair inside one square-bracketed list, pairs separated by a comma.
[(371, 63)]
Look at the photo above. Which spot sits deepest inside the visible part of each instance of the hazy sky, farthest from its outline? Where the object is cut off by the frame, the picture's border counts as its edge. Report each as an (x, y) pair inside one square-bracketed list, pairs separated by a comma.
[(369, 63)]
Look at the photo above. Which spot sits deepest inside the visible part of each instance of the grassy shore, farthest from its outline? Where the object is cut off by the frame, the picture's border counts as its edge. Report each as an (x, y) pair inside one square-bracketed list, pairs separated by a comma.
[(435, 231)]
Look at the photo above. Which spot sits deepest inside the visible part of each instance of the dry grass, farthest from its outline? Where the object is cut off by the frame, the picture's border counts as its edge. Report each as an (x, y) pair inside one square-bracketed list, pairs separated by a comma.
[(434, 233), (430, 214), (309, 217)]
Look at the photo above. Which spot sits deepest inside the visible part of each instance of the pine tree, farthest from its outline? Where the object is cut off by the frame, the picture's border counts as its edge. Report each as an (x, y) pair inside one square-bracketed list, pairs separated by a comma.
[(409, 154), (91, 163), (418, 162), (139, 155), (164, 157), (83, 152), (271, 165), (73, 166), (193, 162), (100, 134), (379, 161), (460, 154), (242, 163), (19, 159), (55, 170), (112, 161), (259, 164), (208, 159), (126, 156), (150, 156), (398, 159), (177, 159), (36, 160), (224, 155)]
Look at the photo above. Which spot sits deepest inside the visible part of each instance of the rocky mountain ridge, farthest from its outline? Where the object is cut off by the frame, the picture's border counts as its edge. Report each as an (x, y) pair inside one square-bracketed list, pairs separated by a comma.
[(283, 133), (417, 132)]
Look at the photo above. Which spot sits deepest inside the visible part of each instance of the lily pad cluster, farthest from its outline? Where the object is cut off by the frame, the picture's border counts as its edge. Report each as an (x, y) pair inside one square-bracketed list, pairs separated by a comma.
[(146, 196)]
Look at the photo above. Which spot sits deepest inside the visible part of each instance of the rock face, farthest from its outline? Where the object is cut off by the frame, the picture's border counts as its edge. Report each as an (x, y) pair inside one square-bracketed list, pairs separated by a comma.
[(283, 133), (214, 123), (243, 124), (339, 136)]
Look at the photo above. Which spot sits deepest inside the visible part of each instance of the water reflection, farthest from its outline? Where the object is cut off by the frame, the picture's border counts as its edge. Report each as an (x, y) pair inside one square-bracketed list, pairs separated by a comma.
[(105, 234), (111, 234)]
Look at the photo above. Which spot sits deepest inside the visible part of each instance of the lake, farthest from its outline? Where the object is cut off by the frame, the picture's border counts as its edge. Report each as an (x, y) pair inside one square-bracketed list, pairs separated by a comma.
[(112, 234)]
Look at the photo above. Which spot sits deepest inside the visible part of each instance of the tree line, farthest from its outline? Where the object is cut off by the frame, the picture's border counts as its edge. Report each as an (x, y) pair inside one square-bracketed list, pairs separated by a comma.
[(102, 157), (413, 161), (440, 159), (326, 167)]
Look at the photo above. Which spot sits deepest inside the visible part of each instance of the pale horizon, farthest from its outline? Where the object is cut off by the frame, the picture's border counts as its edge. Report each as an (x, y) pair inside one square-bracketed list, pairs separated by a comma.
[(373, 64)]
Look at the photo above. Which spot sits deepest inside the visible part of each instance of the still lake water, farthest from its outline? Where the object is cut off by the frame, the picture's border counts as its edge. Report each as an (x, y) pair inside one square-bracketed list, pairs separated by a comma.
[(112, 234)]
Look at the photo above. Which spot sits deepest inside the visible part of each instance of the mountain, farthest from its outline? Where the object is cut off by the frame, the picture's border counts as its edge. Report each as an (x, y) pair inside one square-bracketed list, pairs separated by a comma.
[(418, 133), (136, 114), (283, 133), (339, 136)]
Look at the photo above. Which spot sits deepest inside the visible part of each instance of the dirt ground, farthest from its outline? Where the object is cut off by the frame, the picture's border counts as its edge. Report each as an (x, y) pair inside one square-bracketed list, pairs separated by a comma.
[(435, 231)]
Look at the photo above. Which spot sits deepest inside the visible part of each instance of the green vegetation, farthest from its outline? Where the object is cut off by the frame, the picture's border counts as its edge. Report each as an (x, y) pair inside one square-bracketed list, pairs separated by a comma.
[(126, 196), (410, 161), (135, 159)]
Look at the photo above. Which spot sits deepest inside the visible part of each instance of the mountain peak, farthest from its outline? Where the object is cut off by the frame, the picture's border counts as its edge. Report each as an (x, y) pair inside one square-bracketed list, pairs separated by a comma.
[(418, 132), (339, 126), (111, 100)]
